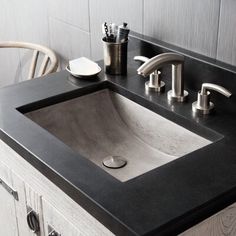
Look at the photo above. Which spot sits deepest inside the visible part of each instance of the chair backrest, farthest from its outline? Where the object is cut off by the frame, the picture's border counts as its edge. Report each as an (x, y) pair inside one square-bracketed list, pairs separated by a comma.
[(49, 63)]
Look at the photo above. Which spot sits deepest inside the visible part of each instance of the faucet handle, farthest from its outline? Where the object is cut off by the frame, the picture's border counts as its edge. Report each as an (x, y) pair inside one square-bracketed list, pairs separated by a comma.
[(215, 87), (203, 105), (154, 83)]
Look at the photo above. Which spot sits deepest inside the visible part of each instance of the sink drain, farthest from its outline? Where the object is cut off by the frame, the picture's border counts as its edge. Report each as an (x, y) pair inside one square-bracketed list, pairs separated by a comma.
[(114, 162)]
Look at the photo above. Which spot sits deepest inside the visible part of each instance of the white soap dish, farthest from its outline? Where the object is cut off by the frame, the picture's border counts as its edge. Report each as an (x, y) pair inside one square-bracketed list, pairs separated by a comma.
[(83, 68), (90, 75)]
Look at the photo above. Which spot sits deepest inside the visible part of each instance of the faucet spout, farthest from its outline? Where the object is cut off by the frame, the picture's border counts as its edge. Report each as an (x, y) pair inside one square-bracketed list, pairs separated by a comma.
[(177, 62), (159, 61)]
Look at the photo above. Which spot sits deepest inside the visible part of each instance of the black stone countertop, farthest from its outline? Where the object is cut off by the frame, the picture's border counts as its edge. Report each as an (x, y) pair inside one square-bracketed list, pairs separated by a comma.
[(164, 201)]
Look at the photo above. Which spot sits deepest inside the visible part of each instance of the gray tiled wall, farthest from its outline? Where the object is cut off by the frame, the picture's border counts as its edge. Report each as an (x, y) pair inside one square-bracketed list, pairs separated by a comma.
[(188, 23), (68, 41), (226, 50), (9, 59), (73, 28)]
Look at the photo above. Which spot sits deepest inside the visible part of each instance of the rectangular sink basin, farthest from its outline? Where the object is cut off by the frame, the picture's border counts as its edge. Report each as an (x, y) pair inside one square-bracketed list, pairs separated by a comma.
[(105, 126)]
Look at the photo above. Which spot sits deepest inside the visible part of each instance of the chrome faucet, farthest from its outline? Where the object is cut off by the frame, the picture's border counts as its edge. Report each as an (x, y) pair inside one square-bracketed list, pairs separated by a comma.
[(176, 61)]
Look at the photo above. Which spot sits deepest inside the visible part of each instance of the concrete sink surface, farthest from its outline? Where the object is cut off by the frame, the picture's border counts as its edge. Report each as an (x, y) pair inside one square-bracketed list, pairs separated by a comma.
[(105, 123)]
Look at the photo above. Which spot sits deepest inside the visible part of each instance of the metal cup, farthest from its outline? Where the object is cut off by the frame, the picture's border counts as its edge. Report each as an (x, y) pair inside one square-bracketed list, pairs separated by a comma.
[(115, 57)]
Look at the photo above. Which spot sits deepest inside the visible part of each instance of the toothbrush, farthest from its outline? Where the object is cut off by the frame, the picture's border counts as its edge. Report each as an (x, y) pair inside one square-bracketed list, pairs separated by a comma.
[(105, 30)]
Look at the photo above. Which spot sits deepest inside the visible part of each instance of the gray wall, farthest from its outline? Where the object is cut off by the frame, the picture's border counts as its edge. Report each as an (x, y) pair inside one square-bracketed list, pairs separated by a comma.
[(73, 27)]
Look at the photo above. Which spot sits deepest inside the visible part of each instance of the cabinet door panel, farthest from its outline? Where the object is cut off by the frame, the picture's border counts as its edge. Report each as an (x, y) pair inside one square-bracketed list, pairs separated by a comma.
[(55, 220), (27, 197), (33, 201), (8, 222)]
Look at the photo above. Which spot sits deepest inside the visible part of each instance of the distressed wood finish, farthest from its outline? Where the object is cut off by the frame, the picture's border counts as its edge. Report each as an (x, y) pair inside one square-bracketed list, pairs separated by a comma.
[(8, 222), (21, 207), (34, 201), (189, 24), (56, 220), (222, 223), (72, 212), (13, 213)]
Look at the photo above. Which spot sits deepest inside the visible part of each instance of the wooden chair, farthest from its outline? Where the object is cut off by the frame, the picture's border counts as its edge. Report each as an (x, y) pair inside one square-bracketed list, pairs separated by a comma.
[(49, 63)]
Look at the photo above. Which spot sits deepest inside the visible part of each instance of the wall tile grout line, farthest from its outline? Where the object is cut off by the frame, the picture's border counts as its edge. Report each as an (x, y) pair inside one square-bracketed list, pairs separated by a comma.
[(218, 29), (142, 16), (90, 38), (75, 26)]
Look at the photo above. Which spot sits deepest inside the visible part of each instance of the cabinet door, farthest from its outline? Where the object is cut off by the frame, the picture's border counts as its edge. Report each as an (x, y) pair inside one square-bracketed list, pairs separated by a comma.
[(56, 221), (8, 221), (28, 200), (34, 202)]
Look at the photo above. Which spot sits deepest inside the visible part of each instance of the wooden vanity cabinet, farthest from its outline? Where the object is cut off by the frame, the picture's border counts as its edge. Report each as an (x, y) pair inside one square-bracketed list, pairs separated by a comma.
[(14, 204), (57, 214), (8, 219)]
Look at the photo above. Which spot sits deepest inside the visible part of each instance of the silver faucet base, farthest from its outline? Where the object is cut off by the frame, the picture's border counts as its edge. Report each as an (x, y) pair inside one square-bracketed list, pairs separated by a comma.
[(151, 87), (173, 98), (200, 110)]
